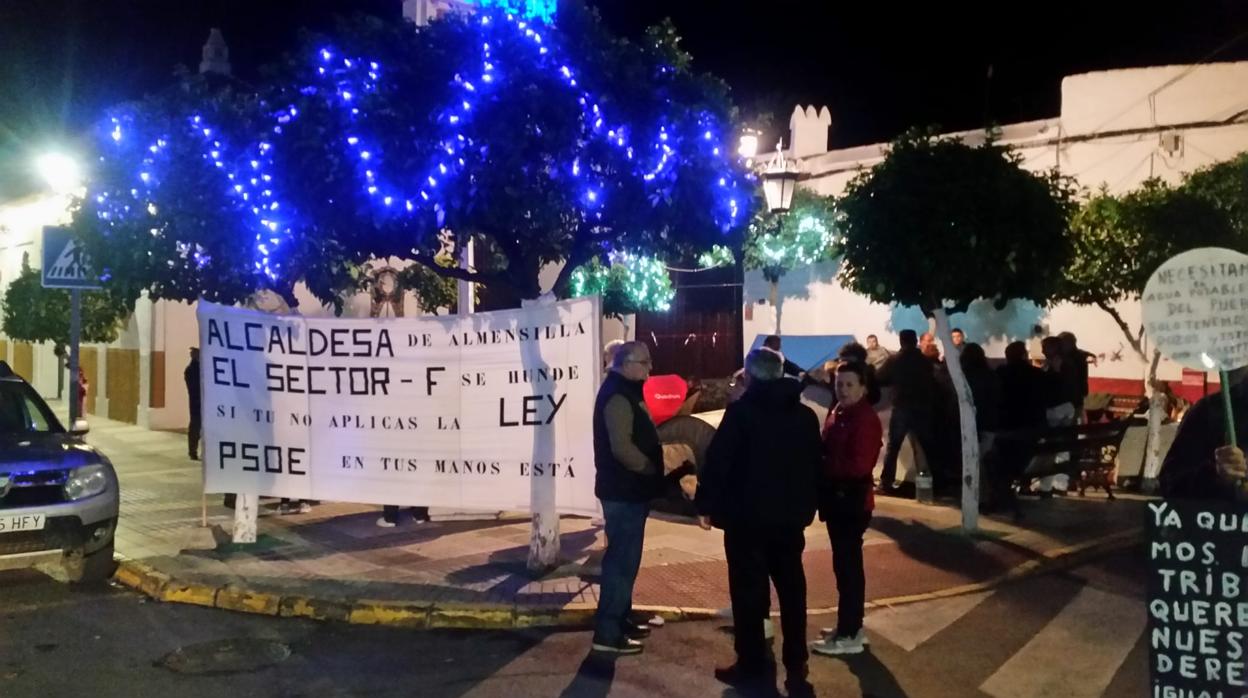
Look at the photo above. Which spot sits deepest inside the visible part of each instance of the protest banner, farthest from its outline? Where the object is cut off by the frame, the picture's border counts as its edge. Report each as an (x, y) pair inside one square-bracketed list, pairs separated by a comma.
[(1196, 312), (459, 412), (1197, 605)]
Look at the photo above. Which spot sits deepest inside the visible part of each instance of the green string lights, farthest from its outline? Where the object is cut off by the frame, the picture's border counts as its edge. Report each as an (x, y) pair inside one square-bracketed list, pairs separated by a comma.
[(628, 283), (776, 243)]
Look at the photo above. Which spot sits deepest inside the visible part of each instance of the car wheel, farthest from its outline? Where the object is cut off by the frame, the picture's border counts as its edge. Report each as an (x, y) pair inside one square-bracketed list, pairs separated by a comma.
[(90, 569)]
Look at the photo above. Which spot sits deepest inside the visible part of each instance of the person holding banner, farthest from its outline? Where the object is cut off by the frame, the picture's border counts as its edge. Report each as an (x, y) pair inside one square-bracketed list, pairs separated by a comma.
[(628, 457), (1204, 462)]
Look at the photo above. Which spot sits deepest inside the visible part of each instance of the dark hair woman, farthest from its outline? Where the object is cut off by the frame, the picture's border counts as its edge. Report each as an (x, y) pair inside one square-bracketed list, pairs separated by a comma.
[(852, 438), (854, 352)]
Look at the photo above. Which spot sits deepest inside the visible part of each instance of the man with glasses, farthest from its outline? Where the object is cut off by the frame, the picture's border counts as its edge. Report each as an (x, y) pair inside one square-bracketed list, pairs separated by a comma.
[(628, 457)]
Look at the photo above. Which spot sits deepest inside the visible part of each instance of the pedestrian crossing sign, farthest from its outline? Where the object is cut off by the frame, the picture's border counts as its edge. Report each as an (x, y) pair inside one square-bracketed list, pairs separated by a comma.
[(64, 263)]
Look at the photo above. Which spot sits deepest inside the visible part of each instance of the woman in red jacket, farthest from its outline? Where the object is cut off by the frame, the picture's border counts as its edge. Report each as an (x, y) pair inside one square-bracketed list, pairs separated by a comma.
[(852, 437)]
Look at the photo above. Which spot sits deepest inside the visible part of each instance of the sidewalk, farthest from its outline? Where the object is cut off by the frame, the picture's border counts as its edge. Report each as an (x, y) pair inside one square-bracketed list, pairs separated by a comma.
[(336, 563)]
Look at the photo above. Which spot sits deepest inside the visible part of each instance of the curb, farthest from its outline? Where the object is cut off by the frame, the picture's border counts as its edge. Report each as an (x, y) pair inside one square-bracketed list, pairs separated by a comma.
[(157, 585)]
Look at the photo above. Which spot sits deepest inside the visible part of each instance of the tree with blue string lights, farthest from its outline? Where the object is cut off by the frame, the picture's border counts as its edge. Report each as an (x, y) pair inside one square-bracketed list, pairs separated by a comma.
[(543, 142)]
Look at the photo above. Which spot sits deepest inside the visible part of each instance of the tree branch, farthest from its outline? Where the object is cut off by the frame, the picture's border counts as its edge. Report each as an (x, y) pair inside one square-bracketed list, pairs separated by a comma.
[(579, 255), (1126, 329), (457, 273)]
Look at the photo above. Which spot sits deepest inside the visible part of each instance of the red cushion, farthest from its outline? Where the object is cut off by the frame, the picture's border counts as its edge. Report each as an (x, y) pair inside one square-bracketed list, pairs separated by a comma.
[(664, 396)]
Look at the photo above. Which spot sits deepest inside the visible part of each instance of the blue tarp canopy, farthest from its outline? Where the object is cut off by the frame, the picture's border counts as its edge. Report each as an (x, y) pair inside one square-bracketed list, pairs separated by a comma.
[(808, 350)]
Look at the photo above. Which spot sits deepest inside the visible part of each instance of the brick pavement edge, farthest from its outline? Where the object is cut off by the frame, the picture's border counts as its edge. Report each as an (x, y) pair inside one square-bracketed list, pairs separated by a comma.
[(152, 582)]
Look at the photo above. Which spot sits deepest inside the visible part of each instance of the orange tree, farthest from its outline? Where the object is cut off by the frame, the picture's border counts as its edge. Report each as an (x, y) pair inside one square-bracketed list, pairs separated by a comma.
[(939, 224)]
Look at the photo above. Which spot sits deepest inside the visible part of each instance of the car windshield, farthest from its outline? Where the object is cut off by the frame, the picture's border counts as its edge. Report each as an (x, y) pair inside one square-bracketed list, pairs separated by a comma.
[(22, 411)]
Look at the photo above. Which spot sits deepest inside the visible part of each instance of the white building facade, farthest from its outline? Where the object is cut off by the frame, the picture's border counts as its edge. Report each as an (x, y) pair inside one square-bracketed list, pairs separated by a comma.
[(1116, 129)]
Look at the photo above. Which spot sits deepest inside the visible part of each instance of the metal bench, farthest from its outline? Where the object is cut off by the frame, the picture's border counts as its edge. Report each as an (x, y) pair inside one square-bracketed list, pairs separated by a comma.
[(1093, 450)]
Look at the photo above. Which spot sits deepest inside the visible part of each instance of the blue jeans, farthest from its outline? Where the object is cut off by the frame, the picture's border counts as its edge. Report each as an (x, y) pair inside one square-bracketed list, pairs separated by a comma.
[(626, 532)]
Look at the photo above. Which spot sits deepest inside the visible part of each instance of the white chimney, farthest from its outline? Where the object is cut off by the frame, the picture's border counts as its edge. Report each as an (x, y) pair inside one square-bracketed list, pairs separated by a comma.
[(216, 55), (422, 12), (808, 131)]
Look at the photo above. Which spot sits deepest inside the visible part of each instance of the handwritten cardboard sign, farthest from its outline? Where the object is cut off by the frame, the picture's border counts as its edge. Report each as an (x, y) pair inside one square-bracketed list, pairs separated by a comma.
[(1196, 309), (1198, 599)]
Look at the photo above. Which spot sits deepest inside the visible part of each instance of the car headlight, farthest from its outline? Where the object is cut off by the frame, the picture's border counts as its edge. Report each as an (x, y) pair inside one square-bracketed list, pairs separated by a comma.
[(86, 481)]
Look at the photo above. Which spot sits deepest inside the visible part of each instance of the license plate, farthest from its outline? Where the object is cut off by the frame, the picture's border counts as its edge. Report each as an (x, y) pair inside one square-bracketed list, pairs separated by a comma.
[(13, 523)]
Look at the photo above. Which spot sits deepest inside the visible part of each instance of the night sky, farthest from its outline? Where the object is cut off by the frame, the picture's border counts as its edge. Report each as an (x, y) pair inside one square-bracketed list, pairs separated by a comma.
[(879, 68)]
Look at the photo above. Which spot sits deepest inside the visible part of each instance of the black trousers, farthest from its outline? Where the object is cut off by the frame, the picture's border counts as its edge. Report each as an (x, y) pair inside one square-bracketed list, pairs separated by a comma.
[(754, 556), (193, 434), (906, 420), (846, 533), (391, 513)]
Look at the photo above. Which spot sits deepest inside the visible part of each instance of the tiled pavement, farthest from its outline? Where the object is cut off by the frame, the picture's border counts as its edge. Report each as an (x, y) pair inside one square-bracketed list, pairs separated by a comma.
[(337, 551)]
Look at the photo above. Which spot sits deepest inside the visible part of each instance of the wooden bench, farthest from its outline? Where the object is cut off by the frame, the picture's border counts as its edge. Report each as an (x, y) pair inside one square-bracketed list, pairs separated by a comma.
[(1114, 407), (1093, 450)]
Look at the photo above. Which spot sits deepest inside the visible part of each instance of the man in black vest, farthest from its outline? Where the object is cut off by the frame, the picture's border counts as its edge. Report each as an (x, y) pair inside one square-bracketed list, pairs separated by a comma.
[(628, 457)]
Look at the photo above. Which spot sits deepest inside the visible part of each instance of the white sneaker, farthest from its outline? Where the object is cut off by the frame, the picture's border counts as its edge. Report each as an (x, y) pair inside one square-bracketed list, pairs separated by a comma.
[(833, 647), (382, 523), (830, 633)]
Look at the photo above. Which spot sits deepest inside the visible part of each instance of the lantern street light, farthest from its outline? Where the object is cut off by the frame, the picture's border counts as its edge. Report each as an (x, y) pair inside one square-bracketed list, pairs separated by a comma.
[(60, 171), (748, 145), (780, 181)]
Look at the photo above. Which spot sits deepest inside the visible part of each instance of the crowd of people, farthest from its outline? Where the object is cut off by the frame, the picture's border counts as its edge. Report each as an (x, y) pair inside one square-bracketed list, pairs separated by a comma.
[(769, 470), (1023, 393), (772, 467)]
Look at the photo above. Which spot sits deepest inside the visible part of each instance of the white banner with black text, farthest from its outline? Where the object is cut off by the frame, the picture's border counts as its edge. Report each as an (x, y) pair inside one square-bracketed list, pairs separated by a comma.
[(486, 411)]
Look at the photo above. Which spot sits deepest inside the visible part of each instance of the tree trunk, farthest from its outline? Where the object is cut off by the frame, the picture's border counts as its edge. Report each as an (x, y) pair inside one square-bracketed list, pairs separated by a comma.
[(246, 513), (966, 419), (1152, 450), (247, 506), (544, 543), (776, 301), (1156, 406), (61, 369)]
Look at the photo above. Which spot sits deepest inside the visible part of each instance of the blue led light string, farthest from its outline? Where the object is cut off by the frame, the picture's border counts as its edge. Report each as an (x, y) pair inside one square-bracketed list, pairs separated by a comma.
[(457, 116), (251, 180)]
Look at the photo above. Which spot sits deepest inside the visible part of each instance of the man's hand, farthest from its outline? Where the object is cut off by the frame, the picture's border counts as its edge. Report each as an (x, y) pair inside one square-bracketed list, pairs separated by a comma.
[(1231, 465), (704, 522)]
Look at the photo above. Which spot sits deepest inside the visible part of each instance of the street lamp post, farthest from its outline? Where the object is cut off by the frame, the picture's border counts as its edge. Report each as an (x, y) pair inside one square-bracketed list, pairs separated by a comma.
[(780, 181)]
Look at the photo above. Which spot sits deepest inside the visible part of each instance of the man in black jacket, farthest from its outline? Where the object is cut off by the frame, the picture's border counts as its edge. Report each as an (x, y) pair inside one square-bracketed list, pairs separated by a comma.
[(772, 342), (1200, 464), (759, 486), (192, 378), (1022, 409), (628, 457), (913, 379)]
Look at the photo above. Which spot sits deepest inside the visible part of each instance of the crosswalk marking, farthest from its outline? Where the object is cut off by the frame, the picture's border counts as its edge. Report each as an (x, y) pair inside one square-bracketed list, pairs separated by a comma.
[(907, 629), (1077, 654)]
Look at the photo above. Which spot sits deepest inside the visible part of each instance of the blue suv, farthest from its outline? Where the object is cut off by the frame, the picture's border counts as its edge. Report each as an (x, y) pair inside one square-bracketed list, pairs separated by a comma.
[(58, 496)]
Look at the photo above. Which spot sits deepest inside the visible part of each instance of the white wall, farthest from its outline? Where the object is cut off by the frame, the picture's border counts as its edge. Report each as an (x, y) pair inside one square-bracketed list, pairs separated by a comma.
[(814, 303), (174, 331), (21, 232), (1142, 97)]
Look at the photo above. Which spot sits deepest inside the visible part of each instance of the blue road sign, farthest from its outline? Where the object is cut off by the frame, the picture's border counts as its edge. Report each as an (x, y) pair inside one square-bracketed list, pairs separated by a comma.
[(64, 264)]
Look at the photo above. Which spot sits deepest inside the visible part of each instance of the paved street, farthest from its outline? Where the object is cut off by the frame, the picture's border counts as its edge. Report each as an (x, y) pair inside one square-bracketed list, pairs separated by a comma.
[(1078, 634), (336, 552)]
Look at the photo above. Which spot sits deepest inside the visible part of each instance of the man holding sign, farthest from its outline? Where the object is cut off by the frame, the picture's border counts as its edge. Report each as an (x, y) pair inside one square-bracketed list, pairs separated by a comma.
[(1200, 463), (1196, 311)]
